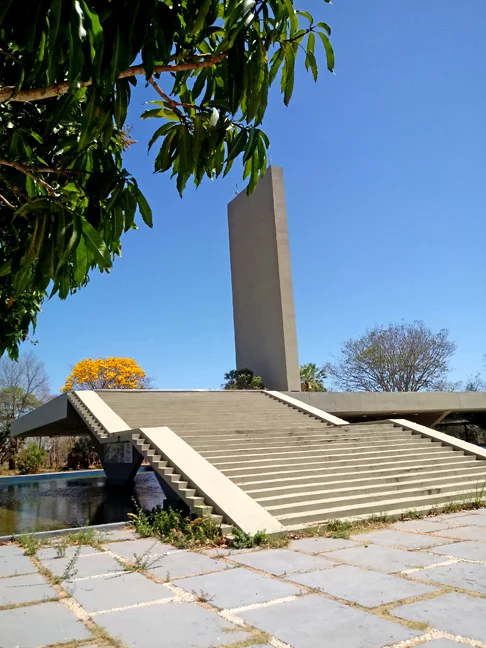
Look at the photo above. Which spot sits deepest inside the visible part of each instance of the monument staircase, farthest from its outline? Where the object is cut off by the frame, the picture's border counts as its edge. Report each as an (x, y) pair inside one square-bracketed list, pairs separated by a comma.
[(289, 465)]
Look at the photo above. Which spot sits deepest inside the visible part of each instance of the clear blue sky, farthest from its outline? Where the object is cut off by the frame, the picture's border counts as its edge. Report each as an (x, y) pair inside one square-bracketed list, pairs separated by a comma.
[(386, 195)]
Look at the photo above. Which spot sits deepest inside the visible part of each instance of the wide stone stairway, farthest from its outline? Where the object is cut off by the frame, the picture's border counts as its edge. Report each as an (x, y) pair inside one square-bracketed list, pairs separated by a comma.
[(301, 469)]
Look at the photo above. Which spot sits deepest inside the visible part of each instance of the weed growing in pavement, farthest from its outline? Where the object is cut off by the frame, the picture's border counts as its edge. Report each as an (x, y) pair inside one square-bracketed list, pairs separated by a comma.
[(70, 572), (30, 543), (143, 562), (202, 597), (242, 540), (413, 514), (173, 527), (339, 529)]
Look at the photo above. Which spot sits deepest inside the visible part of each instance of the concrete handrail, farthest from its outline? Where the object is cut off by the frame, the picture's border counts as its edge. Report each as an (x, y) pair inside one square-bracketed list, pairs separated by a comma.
[(217, 490), (308, 409), (465, 446)]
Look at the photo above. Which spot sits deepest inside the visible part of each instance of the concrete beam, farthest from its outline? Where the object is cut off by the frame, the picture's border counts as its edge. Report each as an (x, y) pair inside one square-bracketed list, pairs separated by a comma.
[(263, 299)]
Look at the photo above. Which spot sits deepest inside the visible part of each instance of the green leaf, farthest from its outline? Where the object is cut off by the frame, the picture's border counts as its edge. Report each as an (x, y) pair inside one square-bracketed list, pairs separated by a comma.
[(202, 12), (238, 144), (310, 59), (252, 143), (288, 76), (329, 51), (144, 207), (306, 14), (96, 245), (80, 265)]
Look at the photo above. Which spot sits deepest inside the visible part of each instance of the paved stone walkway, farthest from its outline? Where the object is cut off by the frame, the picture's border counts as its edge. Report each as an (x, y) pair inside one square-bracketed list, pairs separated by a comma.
[(415, 583)]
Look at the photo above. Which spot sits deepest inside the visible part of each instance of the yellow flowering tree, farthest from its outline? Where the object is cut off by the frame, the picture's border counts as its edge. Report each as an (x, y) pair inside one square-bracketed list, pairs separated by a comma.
[(106, 373)]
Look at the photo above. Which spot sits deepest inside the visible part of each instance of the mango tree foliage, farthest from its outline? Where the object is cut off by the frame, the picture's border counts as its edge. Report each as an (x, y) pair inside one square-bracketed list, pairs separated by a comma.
[(106, 373), (67, 69)]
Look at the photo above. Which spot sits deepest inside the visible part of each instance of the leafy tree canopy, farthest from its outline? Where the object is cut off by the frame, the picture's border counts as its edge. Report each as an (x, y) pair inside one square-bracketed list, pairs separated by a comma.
[(67, 68), (397, 358), (106, 373), (312, 378), (242, 379)]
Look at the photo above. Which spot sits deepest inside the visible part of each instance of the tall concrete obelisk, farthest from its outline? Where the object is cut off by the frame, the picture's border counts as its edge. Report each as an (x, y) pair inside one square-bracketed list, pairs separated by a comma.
[(263, 298)]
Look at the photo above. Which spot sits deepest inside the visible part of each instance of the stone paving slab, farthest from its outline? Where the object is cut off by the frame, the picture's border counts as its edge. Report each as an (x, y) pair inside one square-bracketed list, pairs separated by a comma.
[(40, 625), (237, 588), (282, 561), (384, 559), (467, 549), (456, 613), (218, 552), (422, 526), (143, 546), (181, 564), (110, 592), (7, 551), (119, 534), (320, 545), (402, 539), (12, 563), (473, 532), (178, 625), (470, 519), (83, 567), (49, 553), (314, 622), (469, 576), (25, 589), (364, 587)]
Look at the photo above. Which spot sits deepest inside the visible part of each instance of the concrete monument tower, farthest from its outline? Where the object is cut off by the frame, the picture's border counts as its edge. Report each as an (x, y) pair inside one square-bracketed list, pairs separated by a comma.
[(263, 299)]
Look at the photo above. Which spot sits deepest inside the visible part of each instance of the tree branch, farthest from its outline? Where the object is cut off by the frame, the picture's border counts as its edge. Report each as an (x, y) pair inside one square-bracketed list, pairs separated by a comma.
[(168, 99), (28, 172), (38, 94), (9, 204)]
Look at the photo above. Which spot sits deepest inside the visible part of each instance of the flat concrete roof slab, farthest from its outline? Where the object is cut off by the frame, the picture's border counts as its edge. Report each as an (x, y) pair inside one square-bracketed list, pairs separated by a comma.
[(361, 586), (45, 624), (456, 613), (178, 625), (312, 622), (237, 588)]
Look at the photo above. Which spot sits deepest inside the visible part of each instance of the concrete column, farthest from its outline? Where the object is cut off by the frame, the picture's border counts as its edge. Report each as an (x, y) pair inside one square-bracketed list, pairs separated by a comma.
[(120, 462), (263, 299)]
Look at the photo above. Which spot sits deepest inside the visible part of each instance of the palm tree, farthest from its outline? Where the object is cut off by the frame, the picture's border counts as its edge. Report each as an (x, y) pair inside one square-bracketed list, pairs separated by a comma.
[(312, 378)]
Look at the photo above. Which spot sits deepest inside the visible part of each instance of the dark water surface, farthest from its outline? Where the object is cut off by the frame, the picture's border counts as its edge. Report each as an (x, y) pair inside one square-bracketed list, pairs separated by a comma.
[(72, 502)]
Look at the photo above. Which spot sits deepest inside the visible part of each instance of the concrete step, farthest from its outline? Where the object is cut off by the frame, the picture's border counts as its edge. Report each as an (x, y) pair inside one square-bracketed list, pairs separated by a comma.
[(354, 510), (282, 487), (328, 458), (324, 469), (322, 492), (332, 500), (292, 443), (285, 450), (295, 435)]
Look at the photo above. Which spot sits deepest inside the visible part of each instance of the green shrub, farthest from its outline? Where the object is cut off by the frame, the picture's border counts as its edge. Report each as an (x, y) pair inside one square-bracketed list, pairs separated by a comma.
[(173, 527), (30, 459)]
